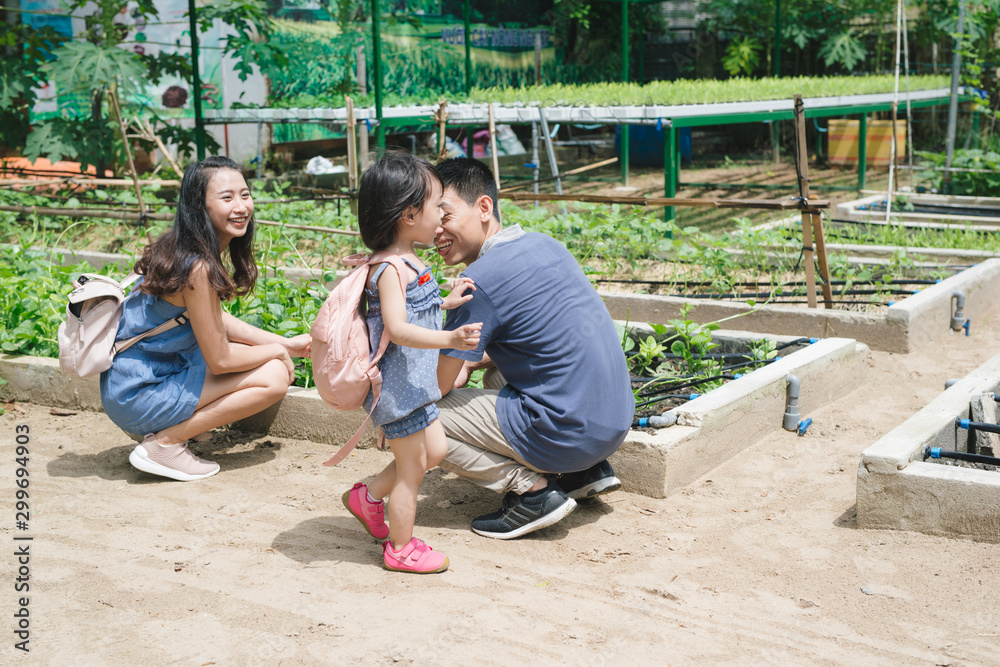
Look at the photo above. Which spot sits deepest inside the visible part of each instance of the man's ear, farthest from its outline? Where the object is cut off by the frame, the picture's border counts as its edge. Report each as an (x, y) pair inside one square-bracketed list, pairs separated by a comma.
[(484, 206)]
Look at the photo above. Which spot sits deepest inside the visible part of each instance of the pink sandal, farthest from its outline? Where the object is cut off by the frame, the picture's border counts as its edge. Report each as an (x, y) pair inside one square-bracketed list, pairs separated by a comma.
[(414, 557), (371, 515)]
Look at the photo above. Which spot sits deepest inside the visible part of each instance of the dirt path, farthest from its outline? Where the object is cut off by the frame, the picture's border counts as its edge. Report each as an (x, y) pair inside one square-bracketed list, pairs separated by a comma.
[(759, 562)]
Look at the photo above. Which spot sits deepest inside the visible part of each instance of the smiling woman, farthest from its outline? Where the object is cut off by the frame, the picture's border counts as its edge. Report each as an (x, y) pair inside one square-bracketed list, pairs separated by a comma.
[(213, 369)]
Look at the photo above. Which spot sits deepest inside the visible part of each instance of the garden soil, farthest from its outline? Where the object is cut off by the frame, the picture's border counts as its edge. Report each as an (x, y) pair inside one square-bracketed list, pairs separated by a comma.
[(758, 562)]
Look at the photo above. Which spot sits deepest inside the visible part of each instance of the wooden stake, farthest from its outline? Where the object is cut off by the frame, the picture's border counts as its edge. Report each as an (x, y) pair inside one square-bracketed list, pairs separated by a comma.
[(441, 118), (352, 153), (163, 149), (493, 146), (128, 150), (809, 224)]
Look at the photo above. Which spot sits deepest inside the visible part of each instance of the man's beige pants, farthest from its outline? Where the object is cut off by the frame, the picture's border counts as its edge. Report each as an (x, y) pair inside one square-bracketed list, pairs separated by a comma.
[(477, 449)]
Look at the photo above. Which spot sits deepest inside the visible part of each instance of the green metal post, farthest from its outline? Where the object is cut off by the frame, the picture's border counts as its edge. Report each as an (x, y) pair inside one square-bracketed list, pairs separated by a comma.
[(468, 47), (199, 120), (377, 74), (777, 39), (670, 170), (642, 45), (624, 132), (862, 151)]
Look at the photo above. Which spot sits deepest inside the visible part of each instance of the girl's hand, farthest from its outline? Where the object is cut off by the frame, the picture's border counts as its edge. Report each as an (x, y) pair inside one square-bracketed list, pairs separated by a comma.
[(298, 346), (458, 296), (466, 337)]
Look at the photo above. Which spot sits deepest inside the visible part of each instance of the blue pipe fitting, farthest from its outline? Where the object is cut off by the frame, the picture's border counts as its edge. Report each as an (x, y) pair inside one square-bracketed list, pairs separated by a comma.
[(804, 425), (962, 423)]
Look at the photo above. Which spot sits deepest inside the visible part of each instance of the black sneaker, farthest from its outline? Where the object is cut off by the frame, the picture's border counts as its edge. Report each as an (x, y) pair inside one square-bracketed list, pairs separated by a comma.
[(594, 481), (526, 513)]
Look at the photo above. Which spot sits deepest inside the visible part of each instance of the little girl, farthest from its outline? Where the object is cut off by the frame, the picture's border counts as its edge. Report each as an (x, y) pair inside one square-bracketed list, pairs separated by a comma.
[(397, 207)]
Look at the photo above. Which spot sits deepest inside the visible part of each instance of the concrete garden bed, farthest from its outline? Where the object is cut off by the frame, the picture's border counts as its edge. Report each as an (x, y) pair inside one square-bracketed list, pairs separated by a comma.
[(987, 217), (710, 429), (907, 325), (898, 490)]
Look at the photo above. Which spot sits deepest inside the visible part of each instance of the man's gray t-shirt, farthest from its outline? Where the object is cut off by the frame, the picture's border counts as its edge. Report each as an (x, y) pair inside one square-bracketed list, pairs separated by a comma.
[(568, 403)]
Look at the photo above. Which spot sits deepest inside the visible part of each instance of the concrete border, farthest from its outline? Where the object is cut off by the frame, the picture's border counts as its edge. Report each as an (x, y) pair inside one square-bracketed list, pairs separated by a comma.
[(907, 325), (897, 490), (852, 210), (711, 428), (716, 426)]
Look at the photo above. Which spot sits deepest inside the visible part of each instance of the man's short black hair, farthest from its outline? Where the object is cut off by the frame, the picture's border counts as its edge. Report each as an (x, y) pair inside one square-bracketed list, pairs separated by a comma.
[(471, 179)]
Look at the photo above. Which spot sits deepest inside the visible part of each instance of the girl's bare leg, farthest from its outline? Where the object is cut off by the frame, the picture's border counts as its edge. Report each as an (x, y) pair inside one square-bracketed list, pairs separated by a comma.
[(436, 446), (411, 462), (230, 397)]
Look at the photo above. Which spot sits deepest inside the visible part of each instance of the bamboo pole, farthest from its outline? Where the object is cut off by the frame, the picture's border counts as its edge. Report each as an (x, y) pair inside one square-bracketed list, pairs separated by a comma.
[(768, 204), (578, 170), (493, 146), (812, 224), (80, 180), (126, 214)]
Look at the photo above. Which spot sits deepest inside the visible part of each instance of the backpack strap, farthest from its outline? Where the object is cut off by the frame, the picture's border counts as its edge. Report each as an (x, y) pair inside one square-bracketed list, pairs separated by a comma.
[(123, 345), (397, 262)]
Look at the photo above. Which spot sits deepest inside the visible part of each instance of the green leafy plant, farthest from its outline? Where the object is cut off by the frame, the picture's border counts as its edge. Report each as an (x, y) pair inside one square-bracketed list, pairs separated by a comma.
[(742, 56)]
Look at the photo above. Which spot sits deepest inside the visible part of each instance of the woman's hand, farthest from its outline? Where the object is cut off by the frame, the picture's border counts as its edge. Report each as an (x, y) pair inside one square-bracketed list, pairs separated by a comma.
[(298, 346), (466, 337), (458, 296), (289, 364)]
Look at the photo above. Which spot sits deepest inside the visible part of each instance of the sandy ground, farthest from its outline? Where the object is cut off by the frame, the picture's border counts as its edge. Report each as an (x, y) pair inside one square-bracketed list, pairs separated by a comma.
[(759, 562)]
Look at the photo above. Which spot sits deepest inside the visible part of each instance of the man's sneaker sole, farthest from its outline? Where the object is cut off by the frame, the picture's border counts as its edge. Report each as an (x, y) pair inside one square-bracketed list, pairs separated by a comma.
[(594, 489), (141, 461), (558, 514)]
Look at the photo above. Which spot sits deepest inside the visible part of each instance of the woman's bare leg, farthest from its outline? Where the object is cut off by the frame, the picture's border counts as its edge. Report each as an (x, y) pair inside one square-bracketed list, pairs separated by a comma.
[(230, 397)]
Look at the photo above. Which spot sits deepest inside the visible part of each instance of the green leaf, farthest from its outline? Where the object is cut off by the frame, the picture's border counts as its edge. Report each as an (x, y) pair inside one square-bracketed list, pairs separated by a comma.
[(82, 67), (843, 49)]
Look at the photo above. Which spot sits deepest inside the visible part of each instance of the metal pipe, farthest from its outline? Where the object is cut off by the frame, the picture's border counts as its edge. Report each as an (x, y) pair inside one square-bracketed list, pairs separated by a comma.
[(377, 57), (656, 421), (958, 315), (791, 417), (199, 119), (956, 66)]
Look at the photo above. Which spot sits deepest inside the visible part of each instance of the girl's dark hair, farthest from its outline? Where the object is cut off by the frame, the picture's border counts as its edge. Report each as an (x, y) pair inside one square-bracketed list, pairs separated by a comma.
[(394, 183), (166, 263)]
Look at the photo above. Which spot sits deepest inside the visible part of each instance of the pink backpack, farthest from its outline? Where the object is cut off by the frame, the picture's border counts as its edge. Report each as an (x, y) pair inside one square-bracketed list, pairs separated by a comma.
[(87, 338), (342, 371)]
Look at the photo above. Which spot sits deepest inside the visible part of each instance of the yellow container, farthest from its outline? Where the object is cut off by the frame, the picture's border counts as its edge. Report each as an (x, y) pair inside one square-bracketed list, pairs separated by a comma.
[(843, 141)]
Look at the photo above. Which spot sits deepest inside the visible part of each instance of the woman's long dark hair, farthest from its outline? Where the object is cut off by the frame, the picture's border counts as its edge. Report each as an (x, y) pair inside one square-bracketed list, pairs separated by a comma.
[(166, 263)]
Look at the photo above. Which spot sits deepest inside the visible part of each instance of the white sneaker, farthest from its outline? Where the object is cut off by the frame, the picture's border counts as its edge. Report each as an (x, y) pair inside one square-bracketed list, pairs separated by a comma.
[(173, 461)]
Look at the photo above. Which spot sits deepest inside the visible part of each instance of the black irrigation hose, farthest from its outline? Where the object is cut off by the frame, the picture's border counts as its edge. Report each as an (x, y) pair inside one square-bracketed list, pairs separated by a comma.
[(768, 295), (693, 383), (792, 283), (938, 453), (694, 380)]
